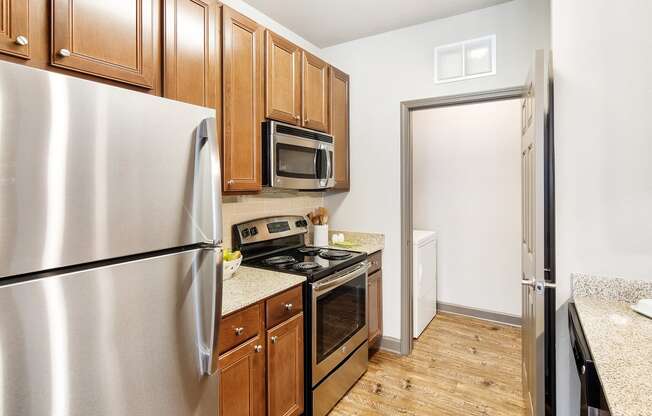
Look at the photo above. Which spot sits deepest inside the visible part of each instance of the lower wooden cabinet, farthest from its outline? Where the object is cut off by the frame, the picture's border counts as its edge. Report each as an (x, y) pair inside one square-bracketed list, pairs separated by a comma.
[(242, 380), (264, 373), (285, 368), (375, 305)]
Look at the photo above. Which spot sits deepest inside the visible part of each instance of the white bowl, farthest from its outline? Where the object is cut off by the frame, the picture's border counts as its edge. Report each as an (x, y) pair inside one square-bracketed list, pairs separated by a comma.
[(230, 267)]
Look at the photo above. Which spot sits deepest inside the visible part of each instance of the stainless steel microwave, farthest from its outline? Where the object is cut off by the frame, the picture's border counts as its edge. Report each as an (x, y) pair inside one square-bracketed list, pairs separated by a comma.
[(297, 158)]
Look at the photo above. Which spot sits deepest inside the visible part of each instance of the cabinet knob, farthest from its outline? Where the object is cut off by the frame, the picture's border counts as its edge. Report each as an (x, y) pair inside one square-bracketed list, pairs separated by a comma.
[(297, 118), (274, 339), (239, 330), (22, 40), (288, 307), (63, 52), (258, 348), (230, 182)]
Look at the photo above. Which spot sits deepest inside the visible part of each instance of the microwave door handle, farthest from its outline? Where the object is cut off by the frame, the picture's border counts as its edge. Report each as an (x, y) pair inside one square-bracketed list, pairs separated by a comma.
[(323, 162), (316, 162), (329, 164)]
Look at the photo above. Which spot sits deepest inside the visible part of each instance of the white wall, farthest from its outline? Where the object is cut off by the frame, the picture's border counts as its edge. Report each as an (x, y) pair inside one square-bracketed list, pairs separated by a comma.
[(467, 188), (396, 66), (603, 60), (254, 14)]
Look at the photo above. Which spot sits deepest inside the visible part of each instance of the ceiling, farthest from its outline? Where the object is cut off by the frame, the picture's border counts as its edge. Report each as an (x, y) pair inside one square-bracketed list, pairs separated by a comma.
[(330, 22)]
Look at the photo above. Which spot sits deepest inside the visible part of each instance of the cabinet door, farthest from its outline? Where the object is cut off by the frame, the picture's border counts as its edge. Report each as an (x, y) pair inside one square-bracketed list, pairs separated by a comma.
[(14, 28), (242, 78), (375, 307), (315, 92), (191, 51), (111, 39), (282, 79), (285, 368), (242, 380), (339, 127)]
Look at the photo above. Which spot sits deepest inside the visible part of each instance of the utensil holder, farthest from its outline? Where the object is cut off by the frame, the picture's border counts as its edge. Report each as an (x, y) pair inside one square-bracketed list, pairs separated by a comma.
[(320, 235)]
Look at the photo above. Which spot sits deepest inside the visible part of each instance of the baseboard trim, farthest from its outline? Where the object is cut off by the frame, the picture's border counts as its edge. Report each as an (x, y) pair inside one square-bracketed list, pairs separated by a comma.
[(499, 317), (390, 344)]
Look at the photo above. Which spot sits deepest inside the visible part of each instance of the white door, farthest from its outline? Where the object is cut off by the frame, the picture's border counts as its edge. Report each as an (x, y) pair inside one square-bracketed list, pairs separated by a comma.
[(537, 248)]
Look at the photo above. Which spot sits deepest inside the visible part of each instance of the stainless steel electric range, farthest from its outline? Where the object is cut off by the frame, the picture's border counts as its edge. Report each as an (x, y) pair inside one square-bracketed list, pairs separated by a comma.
[(335, 296)]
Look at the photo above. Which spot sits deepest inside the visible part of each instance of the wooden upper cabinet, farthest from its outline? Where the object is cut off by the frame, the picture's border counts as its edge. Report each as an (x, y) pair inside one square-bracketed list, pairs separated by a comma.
[(315, 92), (191, 51), (111, 39), (285, 376), (14, 28), (242, 92), (242, 380), (339, 127), (282, 79)]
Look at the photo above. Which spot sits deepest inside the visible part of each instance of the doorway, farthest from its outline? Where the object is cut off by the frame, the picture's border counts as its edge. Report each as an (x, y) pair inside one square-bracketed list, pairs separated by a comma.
[(408, 110)]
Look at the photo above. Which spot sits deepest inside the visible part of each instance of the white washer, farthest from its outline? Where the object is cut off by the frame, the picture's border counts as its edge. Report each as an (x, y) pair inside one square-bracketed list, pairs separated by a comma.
[(424, 284)]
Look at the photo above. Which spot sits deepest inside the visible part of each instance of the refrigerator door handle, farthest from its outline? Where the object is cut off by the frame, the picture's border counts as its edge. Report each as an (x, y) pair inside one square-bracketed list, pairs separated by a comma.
[(209, 347), (207, 217), (208, 224)]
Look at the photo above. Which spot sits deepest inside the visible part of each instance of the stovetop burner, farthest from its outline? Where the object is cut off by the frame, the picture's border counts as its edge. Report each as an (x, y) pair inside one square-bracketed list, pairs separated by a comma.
[(277, 260), (313, 262), (310, 251), (334, 254), (306, 265)]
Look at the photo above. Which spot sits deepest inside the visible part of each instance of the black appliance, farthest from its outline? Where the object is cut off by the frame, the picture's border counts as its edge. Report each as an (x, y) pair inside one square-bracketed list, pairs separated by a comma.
[(592, 399)]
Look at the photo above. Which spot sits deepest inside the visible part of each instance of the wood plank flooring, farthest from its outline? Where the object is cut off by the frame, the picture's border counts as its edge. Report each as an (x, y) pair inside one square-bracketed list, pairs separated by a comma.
[(459, 366)]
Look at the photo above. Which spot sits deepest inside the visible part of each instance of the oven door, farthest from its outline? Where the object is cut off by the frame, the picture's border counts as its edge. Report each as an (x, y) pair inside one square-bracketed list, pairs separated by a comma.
[(339, 318), (298, 163)]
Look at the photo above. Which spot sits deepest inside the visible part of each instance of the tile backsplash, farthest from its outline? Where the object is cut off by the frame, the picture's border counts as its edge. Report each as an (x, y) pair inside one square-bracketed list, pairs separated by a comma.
[(237, 209)]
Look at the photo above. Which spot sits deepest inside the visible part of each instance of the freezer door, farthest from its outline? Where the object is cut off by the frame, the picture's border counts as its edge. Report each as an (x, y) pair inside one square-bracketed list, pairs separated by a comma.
[(129, 339), (91, 172)]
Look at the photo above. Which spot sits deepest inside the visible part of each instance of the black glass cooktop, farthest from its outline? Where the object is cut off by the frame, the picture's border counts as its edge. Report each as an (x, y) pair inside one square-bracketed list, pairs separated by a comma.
[(312, 262)]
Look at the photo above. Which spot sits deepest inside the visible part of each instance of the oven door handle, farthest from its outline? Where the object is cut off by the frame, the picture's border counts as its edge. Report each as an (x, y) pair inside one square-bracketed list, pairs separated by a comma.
[(340, 280)]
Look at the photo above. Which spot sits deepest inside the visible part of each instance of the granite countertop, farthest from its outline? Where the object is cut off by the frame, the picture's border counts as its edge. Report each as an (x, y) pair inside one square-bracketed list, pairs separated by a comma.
[(366, 242), (620, 340), (250, 285)]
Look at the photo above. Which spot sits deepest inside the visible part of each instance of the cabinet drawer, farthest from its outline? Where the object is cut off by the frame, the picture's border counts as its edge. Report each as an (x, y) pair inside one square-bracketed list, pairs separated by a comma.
[(375, 261), (239, 327), (284, 306)]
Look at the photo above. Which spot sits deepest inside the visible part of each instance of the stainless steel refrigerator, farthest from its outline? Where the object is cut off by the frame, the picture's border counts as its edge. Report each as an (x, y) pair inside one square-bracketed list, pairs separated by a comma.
[(110, 259)]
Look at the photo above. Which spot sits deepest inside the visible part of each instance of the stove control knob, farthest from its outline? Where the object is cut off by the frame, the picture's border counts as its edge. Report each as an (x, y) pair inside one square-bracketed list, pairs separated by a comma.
[(245, 233), (253, 231)]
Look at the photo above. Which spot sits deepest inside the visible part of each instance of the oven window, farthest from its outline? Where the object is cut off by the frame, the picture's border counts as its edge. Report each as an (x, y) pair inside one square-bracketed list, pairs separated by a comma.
[(295, 161), (340, 315)]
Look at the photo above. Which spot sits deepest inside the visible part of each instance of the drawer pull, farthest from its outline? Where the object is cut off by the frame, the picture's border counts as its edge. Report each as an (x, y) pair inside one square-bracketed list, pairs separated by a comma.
[(274, 339), (239, 330), (258, 348), (64, 53), (288, 307)]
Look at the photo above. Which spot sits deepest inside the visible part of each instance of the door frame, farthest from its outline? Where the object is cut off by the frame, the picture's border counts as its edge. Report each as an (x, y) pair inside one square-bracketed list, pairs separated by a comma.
[(407, 107)]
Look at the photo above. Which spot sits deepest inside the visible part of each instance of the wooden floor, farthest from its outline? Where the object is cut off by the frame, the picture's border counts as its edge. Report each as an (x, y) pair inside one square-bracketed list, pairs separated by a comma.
[(459, 366)]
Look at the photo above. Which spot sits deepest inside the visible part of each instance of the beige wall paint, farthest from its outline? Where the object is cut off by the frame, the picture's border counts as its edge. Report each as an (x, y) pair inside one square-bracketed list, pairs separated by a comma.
[(237, 209)]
